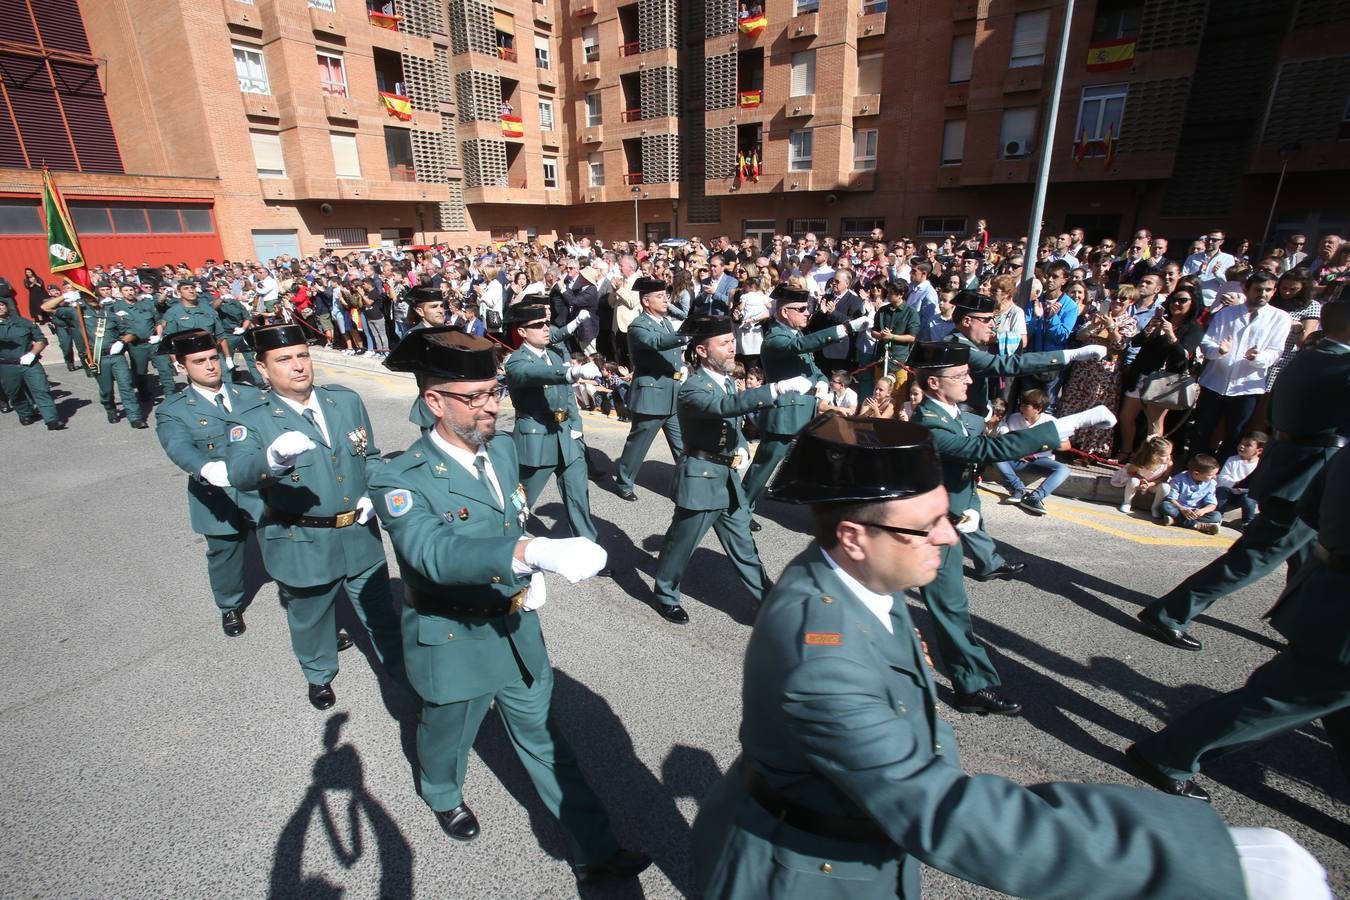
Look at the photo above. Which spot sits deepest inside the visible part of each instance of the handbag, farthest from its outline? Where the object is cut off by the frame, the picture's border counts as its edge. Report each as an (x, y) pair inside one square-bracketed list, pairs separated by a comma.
[(1170, 390), (493, 320)]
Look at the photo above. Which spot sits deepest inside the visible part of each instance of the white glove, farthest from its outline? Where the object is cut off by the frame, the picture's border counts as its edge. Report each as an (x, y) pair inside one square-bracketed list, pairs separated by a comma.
[(27, 359), (214, 473), (573, 325), (240, 330), (969, 521), (575, 372), (282, 452), (364, 510), (1088, 418), (858, 323), (1091, 351), (229, 363), (1276, 867), (72, 300), (684, 372), (822, 388), (582, 316), (121, 312), (106, 301), (798, 384), (573, 558), (590, 370), (153, 339), (115, 348)]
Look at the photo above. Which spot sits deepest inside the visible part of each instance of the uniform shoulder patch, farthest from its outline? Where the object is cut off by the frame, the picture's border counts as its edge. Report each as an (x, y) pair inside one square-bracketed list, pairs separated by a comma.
[(398, 502), (824, 639), (238, 433)]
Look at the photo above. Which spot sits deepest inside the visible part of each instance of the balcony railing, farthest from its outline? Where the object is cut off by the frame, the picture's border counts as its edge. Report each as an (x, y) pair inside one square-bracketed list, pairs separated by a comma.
[(750, 99), (633, 178), (630, 115), (591, 53), (506, 54), (402, 173), (631, 48)]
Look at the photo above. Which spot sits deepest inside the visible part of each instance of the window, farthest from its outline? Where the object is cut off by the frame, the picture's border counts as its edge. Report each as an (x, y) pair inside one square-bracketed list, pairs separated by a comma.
[(800, 227), (164, 220), (329, 5), (799, 150), (267, 154), (953, 142), (91, 219), (803, 73), (543, 58), (864, 149), (1116, 19), (346, 161), (869, 72), (590, 43), (344, 237), (963, 50), (941, 226), (1019, 125), (197, 220), (129, 220), (595, 163), (398, 153), (860, 228), (1029, 30), (550, 171), (593, 109), (546, 115), (332, 75), (20, 217), (802, 7), (761, 231), (1102, 108), (251, 68)]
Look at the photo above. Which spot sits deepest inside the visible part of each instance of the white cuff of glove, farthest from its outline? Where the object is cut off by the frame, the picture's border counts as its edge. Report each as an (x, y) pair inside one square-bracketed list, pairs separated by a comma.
[(859, 322), (799, 384), (575, 559), (573, 325), (229, 363), (582, 316), (574, 373), (842, 331), (115, 348), (1091, 351), (214, 473), (240, 330), (365, 510), (153, 339), (1276, 867), (27, 359), (537, 594), (1098, 416)]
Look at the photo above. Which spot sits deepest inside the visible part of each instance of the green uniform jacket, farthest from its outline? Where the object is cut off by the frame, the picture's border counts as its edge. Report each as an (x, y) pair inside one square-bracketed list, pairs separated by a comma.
[(839, 716), (964, 454), (787, 353), (113, 328), (539, 390), (656, 351), (179, 317), (138, 318), (984, 365), (232, 314), (1311, 397), (193, 432), (453, 541), (17, 334), (710, 421), (324, 481)]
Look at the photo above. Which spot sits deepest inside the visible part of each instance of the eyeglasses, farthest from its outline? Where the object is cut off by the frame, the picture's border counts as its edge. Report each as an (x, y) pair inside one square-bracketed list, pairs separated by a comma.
[(980, 318), (896, 529), (1213, 237), (476, 400), (964, 376)]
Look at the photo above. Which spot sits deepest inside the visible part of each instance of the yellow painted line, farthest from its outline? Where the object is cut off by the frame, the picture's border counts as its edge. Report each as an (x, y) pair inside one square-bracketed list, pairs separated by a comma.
[(1092, 517)]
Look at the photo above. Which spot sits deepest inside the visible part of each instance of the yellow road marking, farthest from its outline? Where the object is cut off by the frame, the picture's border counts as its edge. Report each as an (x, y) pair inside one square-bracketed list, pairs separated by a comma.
[(1091, 516)]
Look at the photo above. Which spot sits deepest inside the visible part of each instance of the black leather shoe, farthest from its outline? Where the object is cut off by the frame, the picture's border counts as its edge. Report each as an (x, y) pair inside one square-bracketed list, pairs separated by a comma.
[(232, 623), (674, 614), (58, 425), (1151, 774), (113, 416), (322, 696), (460, 823), (6, 408), (627, 495), (71, 367), (1173, 637), (755, 526), (344, 639), (139, 423), (28, 420), (987, 702), (623, 864), (1007, 570)]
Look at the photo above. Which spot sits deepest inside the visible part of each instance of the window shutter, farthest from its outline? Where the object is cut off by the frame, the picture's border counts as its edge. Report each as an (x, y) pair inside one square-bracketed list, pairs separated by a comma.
[(267, 153), (346, 161), (953, 141), (803, 73), (505, 22), (1029, 30), (963, 51), (869, 73)]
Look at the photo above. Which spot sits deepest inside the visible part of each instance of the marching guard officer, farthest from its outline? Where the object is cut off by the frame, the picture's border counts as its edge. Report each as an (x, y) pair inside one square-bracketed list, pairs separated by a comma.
[(787, 353), (235, 320), (708, 491), (943, 371), (193, 428), (308, 450), (139, 316), (23, 381), (456, 512), (184, 314), (1310, 412), (431, 313), (102, 349), (848, 778), (658, 369)]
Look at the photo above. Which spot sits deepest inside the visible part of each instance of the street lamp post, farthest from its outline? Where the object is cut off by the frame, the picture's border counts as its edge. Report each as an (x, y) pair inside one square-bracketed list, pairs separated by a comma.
[(1285, 151), (637, 231)]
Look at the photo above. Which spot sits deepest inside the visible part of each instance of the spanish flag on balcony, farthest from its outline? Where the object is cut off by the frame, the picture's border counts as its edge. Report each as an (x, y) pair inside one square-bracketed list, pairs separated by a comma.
[(513, 127), (753, 25), (754, 165), (751, 99), (1103, 56), (1110, 148), (398, 106), (384, 20)]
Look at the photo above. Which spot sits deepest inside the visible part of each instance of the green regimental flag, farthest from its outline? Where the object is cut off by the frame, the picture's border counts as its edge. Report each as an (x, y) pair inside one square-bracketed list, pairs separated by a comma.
[(63, 244)]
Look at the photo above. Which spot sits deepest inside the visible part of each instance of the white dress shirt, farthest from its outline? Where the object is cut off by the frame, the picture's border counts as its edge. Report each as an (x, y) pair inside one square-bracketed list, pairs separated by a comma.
[(210, 396), (1232, 374), (879, 605), (1213, 272), (311, 403)]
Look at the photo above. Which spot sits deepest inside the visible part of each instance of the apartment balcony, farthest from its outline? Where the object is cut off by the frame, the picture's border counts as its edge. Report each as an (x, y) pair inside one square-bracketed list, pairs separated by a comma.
[(630, 48), (866, 105), (767, 183), (871, 24), (507, 54), (542, 14), (261, 106), (801, 181), (589, 71), (402, 174), (546, 78), (964, 9), (750, 99), (380, 19), (584, 11), (799, 107), (859, 181), (339, 106), (511, 192), (956, 94), (806, 25), (513, 128), (632, 178), (593, 134), (631, 115)]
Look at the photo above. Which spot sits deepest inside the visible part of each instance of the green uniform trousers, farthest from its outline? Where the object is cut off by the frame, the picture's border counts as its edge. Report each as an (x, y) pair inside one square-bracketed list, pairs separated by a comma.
[(142, 357), (66, 339), (968, 664), (979, 546), (445, 734), (117, 369), (27, 387), (310, 613), (166, 382), (225, 568), (573, 488), (639, 441), (1274, 536), (770, 452), (683, 537), (248, 372), (1281, 695)]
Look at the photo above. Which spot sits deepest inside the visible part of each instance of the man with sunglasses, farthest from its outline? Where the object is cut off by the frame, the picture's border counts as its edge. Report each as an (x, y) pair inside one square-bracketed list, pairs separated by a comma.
[(1211, 264)]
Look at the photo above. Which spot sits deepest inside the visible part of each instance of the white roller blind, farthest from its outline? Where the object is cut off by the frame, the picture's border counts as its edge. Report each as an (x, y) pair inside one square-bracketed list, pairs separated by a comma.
[(346, 161), (869, 72), (1019, 125), (267, 154), (1029, 30), (963, 50), (504, 21), (803, 73), (953, 141)]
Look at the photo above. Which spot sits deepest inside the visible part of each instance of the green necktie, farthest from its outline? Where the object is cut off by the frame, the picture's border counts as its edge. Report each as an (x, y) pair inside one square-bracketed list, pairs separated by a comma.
[(480, 466)]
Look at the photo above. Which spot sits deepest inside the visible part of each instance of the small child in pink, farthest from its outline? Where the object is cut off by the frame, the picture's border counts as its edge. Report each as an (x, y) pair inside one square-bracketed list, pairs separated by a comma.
[(1147, 470)]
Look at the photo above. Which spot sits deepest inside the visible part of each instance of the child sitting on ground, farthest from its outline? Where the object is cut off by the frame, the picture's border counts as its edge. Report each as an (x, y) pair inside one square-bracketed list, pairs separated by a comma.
[(1148, 470), (611, 391), (1031, 411), (1235, 470), (1190, 499), (998, 413)]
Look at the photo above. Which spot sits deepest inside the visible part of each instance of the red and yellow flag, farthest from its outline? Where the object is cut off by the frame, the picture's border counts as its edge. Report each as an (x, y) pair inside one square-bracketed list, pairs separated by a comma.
[(1110, 148), (398, 106), (1081, 147), (385, 20), (1103, 56), (753, 25), (64, 256), (751, 99), (513, 127)]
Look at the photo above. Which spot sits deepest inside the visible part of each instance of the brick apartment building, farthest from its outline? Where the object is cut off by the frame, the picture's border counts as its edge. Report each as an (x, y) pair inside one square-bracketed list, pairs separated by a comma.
[(181, 129)]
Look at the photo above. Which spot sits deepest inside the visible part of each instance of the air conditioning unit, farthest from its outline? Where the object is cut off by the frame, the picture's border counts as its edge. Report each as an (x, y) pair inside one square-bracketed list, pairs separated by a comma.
[(1015, 150)]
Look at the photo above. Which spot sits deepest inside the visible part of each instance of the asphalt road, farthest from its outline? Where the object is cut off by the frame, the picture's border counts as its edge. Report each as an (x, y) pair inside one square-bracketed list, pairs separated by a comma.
[(148, 755)]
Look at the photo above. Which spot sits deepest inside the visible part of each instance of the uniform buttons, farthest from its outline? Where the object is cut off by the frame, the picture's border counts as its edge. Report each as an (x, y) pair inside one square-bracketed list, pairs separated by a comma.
[(937, 748), (450, 637), (346, 499), (339, 479), (826, 868), (827, 599), (496, 579), (902, 708)]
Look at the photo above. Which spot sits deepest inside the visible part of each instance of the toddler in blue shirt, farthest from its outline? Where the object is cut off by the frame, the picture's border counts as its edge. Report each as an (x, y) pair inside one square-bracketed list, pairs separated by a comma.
[(1191, 501)]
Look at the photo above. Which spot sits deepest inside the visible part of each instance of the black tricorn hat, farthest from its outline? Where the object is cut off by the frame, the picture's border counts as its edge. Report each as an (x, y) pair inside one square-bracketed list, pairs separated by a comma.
[(700, 328), (419, 295), (183, 343), (445, 352), (784, 293), (939, 355), (525, 313), (649, 286), (836, 459), (974, 302), (272, 337), (971, 254)]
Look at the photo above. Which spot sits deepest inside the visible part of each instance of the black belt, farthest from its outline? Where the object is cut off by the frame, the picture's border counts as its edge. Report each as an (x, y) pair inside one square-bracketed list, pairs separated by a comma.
[(840, 828), (1338, 561), (1312, 440), (425, 603), (675, 375), (9, 362), (341, 520), (718, 458)]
